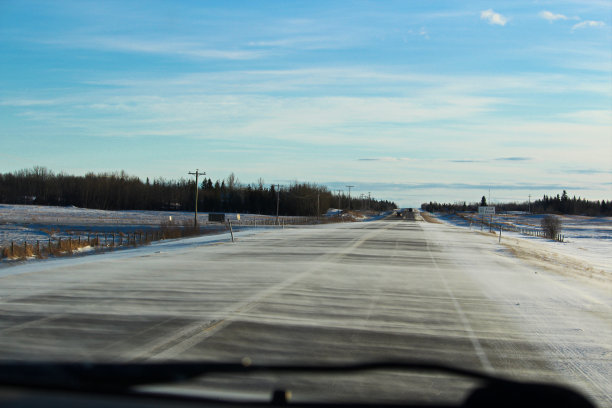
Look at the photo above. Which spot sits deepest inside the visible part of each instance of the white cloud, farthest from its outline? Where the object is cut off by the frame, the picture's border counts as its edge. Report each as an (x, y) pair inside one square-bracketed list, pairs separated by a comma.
[(493, 17), (547, 15), (588, 23)]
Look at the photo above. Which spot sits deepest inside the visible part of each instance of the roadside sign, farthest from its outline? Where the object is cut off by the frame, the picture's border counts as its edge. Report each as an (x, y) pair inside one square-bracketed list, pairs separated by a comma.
[(486, 210)]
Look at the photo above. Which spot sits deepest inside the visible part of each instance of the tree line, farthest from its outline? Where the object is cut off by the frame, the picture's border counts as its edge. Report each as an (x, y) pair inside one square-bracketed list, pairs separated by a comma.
[(120, 191), (559, 204)]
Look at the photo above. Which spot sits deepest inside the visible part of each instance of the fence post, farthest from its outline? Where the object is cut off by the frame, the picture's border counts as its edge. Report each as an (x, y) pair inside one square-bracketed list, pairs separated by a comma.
[(500, 231), (38, 248), (12, 249), (25, 249), (231, 231)]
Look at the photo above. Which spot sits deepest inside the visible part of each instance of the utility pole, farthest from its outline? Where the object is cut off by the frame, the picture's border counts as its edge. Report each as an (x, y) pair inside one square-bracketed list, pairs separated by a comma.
[(529, 208), (277, 201), (318, 206), (369, 201), (339, 203), (195, 216), (349, 206)]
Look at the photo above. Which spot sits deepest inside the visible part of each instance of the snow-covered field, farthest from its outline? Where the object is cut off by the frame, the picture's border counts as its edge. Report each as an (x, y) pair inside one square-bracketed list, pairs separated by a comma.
[(586, 249), (32, 222)]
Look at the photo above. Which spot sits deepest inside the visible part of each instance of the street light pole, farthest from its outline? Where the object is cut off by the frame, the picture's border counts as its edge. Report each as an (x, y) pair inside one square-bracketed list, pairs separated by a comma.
[(195, 216)]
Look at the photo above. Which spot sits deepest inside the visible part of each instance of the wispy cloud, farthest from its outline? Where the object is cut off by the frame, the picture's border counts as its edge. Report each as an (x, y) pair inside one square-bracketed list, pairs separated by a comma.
[(162, 47), (466, 161), (303, 42), (588, 23), (422, 32), (602, 117), (400, 159), (20, 102), (493, 18), (547, 15), (456, 186), (386, 159), (513, 159), (588, 171)]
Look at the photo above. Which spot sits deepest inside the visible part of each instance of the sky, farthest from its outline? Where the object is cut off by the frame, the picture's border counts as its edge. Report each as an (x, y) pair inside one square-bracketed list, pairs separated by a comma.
[(411, 101)]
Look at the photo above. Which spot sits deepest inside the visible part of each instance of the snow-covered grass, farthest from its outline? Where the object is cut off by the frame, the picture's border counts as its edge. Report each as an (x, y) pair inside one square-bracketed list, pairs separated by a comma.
[(36, 225), (586, 250), (170, 245)]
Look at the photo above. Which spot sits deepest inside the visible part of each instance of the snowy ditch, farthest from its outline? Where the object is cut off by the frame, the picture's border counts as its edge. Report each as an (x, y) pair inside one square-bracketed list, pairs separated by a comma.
[(586, 250)]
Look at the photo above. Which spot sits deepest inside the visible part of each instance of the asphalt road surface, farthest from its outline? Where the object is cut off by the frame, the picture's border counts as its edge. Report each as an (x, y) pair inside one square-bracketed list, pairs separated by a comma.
[(391, 289)]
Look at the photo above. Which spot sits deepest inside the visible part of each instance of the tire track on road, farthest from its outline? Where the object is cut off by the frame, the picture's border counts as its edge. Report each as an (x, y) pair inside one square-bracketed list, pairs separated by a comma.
[(482, 356)]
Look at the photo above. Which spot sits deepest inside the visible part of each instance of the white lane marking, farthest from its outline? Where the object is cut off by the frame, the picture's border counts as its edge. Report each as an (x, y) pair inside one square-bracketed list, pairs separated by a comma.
[(482, 356)]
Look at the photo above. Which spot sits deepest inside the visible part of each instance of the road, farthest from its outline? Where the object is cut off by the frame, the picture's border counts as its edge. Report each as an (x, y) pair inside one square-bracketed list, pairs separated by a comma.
[(390, 289)]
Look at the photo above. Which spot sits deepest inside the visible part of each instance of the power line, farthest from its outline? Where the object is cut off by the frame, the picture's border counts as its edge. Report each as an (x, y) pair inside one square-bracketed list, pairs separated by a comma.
[(349, 197)]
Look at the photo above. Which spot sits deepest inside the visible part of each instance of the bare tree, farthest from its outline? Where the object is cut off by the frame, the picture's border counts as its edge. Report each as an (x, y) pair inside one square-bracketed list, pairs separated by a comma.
[(551, 226)]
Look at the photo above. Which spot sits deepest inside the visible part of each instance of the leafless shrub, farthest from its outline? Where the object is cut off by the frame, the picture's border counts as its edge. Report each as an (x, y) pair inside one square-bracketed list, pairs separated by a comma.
[(551, 226)]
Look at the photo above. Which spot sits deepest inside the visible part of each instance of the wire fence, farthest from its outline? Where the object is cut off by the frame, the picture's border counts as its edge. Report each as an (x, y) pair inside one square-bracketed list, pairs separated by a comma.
[(531, 231), (94, 241), (80, 243)]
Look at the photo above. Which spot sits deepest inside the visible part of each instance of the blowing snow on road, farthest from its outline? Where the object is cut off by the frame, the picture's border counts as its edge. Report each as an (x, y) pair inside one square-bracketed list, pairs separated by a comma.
[(389, 289)]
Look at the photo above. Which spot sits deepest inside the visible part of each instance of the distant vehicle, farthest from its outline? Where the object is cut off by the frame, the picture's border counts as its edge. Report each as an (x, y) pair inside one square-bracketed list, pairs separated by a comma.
[(222, 217), (216, 217)]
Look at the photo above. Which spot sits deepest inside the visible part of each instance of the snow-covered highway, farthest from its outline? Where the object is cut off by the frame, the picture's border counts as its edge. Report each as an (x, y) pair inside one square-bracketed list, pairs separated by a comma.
[(390, 289)]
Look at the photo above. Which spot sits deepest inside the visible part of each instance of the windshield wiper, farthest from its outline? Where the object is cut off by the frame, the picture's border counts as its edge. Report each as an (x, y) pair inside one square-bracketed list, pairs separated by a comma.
[(121, 378)]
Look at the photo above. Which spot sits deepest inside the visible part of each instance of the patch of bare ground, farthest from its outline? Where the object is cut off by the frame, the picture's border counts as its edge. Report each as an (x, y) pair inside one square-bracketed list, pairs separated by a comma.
[(557, 262), (430, 218)]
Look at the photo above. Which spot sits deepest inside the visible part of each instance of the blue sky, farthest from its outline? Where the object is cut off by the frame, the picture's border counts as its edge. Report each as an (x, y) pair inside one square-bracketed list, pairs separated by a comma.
[(410, 100)]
